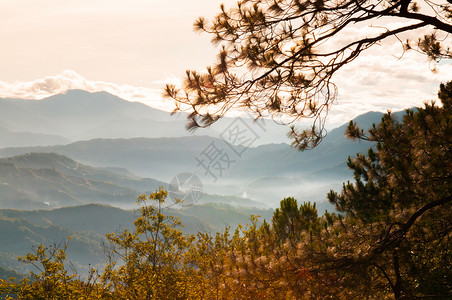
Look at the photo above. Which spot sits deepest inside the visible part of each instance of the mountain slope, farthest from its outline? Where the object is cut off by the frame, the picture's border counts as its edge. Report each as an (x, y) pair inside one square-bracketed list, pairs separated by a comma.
[(37, 180), (163, 158), (10, 138), (50, 180), (266, 173), (79, 115)]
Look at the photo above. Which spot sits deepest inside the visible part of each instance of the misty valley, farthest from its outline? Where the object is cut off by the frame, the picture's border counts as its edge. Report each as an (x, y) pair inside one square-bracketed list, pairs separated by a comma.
[(89, 181), (72, 161), (205, 150)]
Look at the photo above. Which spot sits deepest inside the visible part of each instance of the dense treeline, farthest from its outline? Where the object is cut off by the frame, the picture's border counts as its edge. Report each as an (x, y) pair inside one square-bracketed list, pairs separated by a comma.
[(391, 237)]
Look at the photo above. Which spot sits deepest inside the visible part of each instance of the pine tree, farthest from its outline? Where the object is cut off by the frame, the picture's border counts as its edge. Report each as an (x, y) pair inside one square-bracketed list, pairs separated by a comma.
[(278, 58)]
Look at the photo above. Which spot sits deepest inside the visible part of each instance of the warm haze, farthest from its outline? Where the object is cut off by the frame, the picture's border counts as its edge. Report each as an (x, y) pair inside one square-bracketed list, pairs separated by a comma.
[(133, 48), (106, 195)]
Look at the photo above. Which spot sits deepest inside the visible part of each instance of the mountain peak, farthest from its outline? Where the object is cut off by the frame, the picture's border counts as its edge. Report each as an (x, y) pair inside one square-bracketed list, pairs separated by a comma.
[(82, 96), (76, 92)]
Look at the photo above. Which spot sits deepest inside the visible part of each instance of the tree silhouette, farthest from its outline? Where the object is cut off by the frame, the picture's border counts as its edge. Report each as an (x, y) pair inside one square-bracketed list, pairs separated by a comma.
[(278, 57), (399, 207)]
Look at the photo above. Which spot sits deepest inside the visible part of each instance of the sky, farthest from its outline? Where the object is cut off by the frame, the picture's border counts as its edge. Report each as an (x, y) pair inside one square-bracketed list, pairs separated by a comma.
[(132, 48)]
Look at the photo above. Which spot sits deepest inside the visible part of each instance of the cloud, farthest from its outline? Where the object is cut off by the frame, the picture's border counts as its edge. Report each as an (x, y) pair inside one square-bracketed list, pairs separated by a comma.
[(381, 82), (68, 80), (385, 76), (373, 82)]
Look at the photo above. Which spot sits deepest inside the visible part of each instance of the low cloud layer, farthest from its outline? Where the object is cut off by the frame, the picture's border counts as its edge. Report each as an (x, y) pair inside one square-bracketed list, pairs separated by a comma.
[(69, 80), (370, 83), (149, 43)]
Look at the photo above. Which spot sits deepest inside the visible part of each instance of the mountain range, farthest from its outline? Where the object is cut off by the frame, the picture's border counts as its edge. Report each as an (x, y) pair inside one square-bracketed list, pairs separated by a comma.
[(73, 165), (262, 172), (79, 115), (50, 180), (265, 173)]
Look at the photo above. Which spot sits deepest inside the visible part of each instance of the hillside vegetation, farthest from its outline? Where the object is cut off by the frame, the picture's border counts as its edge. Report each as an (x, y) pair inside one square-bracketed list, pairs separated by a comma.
[(390, 239), (23, 230)]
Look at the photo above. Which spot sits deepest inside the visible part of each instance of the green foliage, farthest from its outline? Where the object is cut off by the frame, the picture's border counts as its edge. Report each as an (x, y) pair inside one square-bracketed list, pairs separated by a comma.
[(291, 51), (153, 256), (392, 239), (289, 221), (54, 281), (402, 195)]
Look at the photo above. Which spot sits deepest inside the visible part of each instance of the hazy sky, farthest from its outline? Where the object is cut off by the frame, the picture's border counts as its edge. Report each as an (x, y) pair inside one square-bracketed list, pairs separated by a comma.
[(131, 48)]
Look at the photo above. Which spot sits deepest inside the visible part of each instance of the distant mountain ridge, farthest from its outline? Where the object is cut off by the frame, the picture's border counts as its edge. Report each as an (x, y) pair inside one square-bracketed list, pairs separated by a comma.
[(46, 180), (77, 115), (163, 158), (81, 115), (49, 180), (10, 138), (264, 173)]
